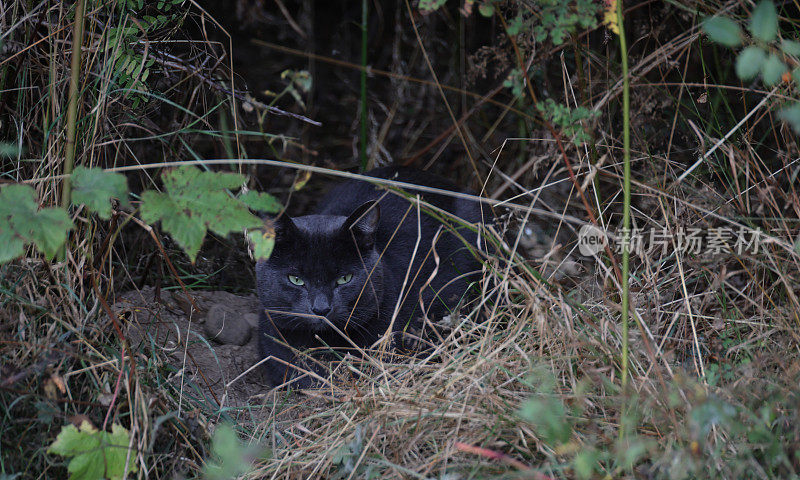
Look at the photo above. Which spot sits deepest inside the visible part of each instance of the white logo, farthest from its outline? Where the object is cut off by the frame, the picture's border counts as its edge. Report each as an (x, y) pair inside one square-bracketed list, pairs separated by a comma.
[(591, 240)]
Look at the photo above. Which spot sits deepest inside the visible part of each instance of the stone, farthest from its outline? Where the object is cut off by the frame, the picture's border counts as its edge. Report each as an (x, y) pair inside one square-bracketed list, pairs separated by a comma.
[(227, 326), (251, 319)]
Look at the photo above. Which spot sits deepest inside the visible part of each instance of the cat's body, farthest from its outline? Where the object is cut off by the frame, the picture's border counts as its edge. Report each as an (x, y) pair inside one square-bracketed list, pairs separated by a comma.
[(350, 261)]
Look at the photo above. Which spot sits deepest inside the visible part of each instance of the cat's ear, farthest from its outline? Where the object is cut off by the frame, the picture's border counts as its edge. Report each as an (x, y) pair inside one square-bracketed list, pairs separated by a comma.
[(363, 223), (284, 227)]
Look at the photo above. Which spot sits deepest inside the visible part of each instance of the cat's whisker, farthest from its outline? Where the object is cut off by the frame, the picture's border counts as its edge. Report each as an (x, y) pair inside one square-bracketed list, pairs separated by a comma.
[(357, 323), (358, 326)]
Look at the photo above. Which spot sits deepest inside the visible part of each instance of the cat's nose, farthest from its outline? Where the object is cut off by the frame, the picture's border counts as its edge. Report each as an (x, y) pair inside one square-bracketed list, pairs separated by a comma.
[(321, 306)]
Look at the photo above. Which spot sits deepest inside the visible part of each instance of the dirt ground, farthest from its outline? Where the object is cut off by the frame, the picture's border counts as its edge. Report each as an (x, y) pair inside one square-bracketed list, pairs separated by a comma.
[(211, 351)]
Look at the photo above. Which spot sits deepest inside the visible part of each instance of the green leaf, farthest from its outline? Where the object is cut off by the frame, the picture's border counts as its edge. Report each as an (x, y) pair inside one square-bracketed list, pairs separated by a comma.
[(559, 20), (515, 26), (11, 245), (516, 82), (790, 47), (772, 70), (71, 441), (749, 62), (584, 463), (486, 9), (187, 176), (196, 201), (713, 412), (116, 453), (95, 454), (791, 115), (86, 466), (723, 30), (764, 21), (234, 219), (566, 119), (261, 202), (94, 187), (156, 205), (549, 417), (263, 243), (48, 230), (230, 457), (9, 150), (22, 221), (430, 5), (186, 229), (631, 451)]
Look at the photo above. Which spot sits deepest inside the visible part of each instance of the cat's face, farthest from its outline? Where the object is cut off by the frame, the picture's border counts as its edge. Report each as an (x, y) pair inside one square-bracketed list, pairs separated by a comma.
[(323, 267)]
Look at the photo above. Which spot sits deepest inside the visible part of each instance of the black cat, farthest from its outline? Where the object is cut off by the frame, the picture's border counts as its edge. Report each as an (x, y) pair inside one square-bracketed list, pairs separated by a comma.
[(349, 263)]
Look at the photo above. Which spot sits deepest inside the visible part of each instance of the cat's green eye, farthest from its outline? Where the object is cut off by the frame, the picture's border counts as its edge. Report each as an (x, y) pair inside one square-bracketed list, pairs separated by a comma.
[(296, 280), (344, 279)]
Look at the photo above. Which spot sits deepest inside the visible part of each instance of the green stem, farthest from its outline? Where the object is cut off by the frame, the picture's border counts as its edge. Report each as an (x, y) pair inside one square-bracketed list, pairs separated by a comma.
[(364, 85), (626, 192), (72, 102)]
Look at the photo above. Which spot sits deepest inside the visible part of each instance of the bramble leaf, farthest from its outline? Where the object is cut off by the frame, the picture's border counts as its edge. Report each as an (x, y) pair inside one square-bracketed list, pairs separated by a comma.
[(230, 457), (723, 30), (22, 221), (772, 70), (188, 231), (71, 441), (263, 242), (48, 230), (515, 25), (713, 412), (11, 246), (790, 47), (95, 454), (791, 115), (261, 202), (94, 187), (749, 62), (549, 417), (431, 5), (9, 150), (584, 463), (486, 9), (195, 201), (116, 453), (764, 21), (86, 466)]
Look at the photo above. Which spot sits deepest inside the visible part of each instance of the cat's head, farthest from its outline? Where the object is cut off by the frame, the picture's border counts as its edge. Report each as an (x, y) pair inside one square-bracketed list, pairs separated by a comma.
[(323, 266)]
